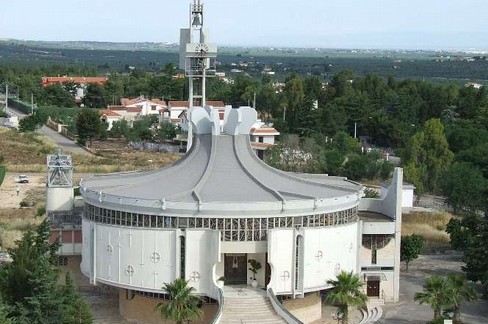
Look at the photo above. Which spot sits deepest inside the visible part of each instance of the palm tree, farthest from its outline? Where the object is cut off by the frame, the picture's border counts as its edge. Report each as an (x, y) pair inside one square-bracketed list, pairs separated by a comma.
[(435, 294), (458, 292), (347, 292), (183, 304)]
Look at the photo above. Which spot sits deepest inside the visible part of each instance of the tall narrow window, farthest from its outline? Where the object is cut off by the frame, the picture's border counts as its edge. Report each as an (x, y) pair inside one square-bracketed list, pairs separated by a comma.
[(374, 249), (298, 263), (182, 257)]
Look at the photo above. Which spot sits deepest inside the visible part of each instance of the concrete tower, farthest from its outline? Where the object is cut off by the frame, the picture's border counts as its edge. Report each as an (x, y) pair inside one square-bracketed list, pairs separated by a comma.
[(60, 194), (197, 58)]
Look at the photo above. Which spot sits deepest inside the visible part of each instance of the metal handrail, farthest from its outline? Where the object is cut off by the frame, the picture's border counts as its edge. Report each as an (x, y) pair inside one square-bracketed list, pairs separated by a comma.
[(220, 299), (281, 310)]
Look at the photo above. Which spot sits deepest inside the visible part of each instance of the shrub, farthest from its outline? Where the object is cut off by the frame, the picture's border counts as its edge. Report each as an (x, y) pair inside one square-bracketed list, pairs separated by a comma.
[(41, 211), (24, 203), (2, 174)]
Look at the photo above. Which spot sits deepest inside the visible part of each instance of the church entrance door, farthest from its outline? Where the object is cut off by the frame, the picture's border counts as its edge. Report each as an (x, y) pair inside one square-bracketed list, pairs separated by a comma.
[(235, 269)]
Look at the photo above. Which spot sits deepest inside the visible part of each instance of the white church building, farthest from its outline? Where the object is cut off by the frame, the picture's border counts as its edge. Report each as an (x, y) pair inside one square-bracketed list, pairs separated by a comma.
[(205, 217), (208, 214)]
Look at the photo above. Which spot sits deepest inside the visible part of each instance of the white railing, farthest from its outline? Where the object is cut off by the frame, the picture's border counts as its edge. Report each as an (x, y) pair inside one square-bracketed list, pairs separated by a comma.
[(220, 299), (281, 310)]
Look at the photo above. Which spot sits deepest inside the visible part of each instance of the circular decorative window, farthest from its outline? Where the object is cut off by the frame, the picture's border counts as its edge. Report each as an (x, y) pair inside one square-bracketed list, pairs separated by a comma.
[(129, 270), (155, 257), (195, 276)]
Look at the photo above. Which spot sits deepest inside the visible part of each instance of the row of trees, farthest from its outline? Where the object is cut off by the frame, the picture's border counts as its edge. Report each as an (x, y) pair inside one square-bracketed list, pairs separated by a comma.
[(445, 296), (30, 291), (337, 155), (440, 131), (470, 235)]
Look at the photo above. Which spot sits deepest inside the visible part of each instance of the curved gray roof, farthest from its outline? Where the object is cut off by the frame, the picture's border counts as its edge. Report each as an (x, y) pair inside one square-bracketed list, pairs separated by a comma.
[(220, 171)]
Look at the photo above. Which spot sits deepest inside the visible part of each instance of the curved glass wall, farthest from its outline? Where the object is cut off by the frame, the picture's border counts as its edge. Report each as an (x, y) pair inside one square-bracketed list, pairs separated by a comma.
[(233, 229)]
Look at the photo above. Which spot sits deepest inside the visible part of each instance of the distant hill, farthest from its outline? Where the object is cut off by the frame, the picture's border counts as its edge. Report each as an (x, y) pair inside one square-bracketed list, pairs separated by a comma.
[(107, 57)]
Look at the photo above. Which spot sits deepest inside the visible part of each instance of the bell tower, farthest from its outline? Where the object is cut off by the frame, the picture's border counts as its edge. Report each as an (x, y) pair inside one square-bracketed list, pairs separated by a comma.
[(197, 58)]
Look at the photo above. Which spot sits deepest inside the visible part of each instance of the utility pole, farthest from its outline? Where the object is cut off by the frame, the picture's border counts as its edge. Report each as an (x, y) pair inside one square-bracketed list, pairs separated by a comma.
[(254, 101), (32, 103), (6, 96), (355, 129)]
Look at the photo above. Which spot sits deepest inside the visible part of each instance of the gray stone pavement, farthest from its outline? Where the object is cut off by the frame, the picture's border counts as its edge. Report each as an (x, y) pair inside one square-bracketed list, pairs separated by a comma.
[(407, 311)]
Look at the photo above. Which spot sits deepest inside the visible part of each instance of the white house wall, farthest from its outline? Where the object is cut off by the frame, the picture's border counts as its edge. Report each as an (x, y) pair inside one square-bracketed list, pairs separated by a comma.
[(327, 252)]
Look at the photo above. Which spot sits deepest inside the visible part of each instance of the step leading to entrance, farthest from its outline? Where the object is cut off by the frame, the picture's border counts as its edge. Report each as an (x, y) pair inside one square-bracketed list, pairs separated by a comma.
[(245, 305)]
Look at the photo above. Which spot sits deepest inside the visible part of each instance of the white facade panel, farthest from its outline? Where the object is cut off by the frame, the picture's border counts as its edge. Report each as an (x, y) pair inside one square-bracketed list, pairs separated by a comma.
[(202, 254), (378, 227), (327, 252), (281, 251), (86, 256), (139, 258)]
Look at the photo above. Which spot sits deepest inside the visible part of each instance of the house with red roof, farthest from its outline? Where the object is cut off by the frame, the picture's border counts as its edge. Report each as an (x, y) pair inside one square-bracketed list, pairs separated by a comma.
[(131, 109)]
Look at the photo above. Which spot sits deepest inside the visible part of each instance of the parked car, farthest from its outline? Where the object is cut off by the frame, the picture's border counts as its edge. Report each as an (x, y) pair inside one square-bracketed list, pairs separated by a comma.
[(22, 179)]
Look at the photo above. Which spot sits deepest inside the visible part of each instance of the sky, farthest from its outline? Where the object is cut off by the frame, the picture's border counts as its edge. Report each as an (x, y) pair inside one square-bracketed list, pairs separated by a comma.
[(385, 24)]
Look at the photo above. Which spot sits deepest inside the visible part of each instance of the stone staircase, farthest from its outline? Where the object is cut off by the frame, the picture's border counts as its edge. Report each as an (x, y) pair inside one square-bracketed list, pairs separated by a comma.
[(248, 306), (373, 311)]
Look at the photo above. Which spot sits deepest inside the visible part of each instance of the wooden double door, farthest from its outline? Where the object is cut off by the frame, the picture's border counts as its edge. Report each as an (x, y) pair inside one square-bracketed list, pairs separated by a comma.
[(373, 288)]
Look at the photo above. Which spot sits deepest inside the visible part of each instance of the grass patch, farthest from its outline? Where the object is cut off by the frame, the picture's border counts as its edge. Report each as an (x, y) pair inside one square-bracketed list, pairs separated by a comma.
[(26, 152), (23, 148), (13, 223), (432, 226)]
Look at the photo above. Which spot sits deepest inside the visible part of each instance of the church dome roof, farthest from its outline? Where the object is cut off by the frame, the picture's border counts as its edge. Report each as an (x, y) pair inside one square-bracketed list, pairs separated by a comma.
[(221, 175)]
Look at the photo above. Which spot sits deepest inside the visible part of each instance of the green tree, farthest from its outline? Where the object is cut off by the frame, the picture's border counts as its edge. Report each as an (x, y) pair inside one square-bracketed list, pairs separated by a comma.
[(30, 283), (434, 294), (294, 154), (33, 122), (347, 291), (459, 292), (4, 319), (166, 131), (462, 232), (88, 125), (56, 95), (120, 128), (464, 187), (411, 247), (183, 304), (294, 95), (75, 309), (141, 130), (476, 255), (95, 96), (427, 156)]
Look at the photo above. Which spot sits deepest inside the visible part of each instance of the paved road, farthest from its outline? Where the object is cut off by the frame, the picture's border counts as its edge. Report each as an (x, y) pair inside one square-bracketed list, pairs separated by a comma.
[(62, 142)]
